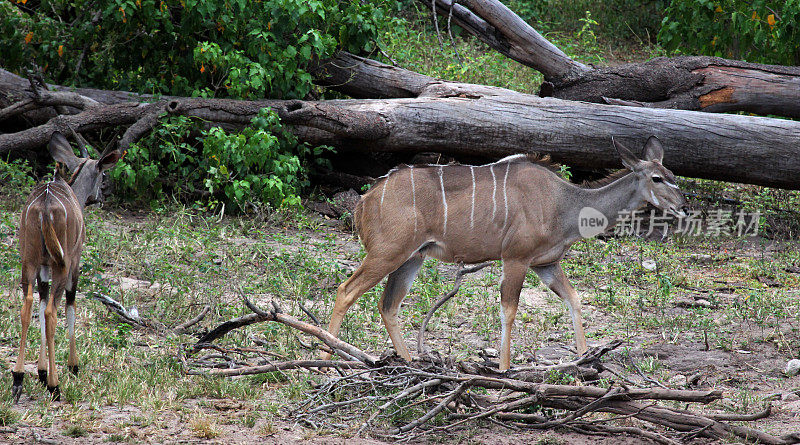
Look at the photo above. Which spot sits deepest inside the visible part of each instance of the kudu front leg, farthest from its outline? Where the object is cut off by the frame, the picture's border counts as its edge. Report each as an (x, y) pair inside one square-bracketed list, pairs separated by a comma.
[(18, 372), (553, 277), (510, 287)]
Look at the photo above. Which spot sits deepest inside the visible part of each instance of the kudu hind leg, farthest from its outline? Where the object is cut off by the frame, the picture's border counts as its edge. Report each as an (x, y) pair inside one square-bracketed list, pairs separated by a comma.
[(50, 317), (371, 271), (397, 286), (44, 295), (553, 277), (18, 372), (72, 361)]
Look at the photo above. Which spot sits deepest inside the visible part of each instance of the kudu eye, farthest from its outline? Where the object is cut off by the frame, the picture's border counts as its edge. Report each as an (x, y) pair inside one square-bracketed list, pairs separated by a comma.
[(658, 179)]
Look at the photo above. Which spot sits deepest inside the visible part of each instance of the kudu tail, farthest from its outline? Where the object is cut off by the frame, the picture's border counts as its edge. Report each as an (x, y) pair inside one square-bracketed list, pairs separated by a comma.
[(51, 241)]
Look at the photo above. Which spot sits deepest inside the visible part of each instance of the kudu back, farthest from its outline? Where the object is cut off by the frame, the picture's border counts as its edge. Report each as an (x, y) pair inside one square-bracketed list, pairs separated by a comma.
[(513, 210), (51, 238)]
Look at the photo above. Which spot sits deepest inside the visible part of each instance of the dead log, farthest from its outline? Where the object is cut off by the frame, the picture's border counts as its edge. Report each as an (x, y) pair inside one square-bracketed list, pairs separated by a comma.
[(707, 84), (691, 83), (504, 31), (473, 120), (489, 122)]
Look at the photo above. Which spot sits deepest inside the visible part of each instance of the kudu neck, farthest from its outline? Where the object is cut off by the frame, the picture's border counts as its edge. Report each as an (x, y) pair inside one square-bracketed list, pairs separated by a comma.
[(619, 196), (81, 193)]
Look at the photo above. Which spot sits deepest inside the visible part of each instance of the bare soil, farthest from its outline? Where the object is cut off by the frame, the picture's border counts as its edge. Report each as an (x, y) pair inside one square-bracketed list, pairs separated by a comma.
[(748, 376)]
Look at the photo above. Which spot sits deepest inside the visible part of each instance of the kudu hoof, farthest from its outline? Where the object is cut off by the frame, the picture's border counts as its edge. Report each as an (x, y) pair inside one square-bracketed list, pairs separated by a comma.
[(16, 387), (73, 369), (43, 376), (55, 392)]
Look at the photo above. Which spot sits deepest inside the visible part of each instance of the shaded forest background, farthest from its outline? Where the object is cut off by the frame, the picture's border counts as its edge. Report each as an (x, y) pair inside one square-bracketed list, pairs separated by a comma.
[(243, 50)]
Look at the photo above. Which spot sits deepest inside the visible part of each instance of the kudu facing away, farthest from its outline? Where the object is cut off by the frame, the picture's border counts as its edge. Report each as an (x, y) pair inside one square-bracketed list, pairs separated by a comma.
[(51, 236), (514, 210)]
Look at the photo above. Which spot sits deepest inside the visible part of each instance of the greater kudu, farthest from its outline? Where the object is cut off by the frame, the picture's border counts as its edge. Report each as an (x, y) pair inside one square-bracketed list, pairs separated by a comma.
[(514, 210), (51, 236)]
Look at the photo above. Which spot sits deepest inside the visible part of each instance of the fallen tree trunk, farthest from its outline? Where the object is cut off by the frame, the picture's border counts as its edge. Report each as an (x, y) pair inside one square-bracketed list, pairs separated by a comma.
[(490, 122), (691, 83), (470, 120)]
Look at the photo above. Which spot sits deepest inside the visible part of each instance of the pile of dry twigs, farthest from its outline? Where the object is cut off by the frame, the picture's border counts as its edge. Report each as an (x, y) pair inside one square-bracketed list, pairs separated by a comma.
[(362, 394)]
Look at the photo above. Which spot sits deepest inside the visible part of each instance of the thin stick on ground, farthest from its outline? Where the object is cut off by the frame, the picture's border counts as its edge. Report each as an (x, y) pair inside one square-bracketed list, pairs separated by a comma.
[(456, 286), (469, 393), (184, 327)]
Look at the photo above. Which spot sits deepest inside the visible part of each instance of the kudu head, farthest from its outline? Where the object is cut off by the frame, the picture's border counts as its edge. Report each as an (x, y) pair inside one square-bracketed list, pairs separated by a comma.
[(87, 174), (656, 184)]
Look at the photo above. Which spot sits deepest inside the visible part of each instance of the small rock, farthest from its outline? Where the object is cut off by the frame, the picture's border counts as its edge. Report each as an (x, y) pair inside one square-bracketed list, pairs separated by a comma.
[(649, 264), (792, 368), (678, 380), (790, 397), (490, 352), (700, 258), (703, 302)]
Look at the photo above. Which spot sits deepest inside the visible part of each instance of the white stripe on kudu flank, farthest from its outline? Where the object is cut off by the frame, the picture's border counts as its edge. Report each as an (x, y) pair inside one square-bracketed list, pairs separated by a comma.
[(414, 198), (62, 204), (472, 211), (505, 194), (383, 192), (27, 209), (494, 191), (510, 158), (444, 200)]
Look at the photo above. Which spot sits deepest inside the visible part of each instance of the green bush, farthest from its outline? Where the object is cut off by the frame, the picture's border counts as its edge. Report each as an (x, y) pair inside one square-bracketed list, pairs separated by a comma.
[(261, 165), (16, 177), (224, 48), (616, 19), (764, 31)]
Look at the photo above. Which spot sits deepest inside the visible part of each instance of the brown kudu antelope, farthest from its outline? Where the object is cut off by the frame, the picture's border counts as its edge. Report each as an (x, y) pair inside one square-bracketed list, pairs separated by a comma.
[(51, 236), (513, 210)]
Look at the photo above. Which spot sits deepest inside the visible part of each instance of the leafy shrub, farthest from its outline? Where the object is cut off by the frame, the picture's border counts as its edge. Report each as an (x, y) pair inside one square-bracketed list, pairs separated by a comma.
[(261, 165), (765, 31), (16, 176), (616, 19), (231, 48)]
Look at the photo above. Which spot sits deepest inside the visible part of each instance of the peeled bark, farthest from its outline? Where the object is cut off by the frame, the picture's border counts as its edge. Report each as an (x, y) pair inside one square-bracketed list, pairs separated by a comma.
[(690, 83)]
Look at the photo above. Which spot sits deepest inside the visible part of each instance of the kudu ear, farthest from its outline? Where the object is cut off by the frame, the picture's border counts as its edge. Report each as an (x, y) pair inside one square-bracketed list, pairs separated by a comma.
[(629, 160), (653, 151), (108, 160), (61, 151)]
